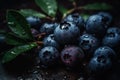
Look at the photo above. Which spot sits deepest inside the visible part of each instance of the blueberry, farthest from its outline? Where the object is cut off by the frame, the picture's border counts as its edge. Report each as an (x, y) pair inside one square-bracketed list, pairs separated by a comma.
[(48, 28), (112, 37), (50, 41), (33, 20), (106, 51), (95, 25), (49, 56), (66, 33), (75, 18), (99, 64), (72, 56), (88, 43), (3, 44), (107, 17)]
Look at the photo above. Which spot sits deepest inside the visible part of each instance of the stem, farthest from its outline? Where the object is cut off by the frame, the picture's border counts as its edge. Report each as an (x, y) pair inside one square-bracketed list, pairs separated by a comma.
[(80, 8), (72, 10), (50, 18), (39, 43), (74, 4), (41, 34), (68, 12)]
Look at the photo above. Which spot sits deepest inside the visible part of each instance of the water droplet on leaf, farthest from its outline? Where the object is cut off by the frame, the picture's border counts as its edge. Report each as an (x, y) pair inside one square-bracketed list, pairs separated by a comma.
[(13, 52), (49, 7), (32, 45), (11, 23)]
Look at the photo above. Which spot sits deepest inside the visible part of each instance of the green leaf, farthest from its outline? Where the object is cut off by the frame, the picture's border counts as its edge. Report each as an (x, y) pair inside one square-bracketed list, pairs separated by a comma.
[(18, 24), (48, 6), (14, 40), (85, 16), (30, 12), (13, 53), (97, 6), (63, 10)]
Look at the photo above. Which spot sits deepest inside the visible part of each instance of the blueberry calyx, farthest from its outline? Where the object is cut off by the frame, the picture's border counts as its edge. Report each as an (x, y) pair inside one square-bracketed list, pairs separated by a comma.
[(46, 54), (101, 59), (85, 44), (111, 34), (64, 26)]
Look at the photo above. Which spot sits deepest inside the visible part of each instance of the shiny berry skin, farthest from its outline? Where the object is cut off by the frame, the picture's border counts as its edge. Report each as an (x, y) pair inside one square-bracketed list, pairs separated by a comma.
[(33, 20), (72, 56), (48, 28), (49, 56), (50, 41), (106, 51), (66, 33), (107, 17), (99, 64), (95, 25), (112, 37), (88, 43), (75, 18)]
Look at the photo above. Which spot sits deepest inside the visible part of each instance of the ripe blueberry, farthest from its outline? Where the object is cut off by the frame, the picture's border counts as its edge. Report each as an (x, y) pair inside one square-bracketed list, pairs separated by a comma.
[(72, 56), (106, 17), (48, 28), (95, 25), (49, 56), (112, 37), (99, 64), (106, 51), (4, 46), (66, 33), (33, 20), (75, 18), (50, 41), (88, 43)]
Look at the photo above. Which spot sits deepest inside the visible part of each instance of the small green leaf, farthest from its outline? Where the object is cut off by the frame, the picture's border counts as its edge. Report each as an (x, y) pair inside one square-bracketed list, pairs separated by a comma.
[(48, 6), (18, 24), (85, 16), (63, 10), (13, 53), (30, 12), (14, 40), (97, 6)]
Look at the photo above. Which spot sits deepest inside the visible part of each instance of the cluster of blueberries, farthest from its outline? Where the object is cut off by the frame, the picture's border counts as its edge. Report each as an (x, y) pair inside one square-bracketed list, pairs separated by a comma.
[(75, 41)]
